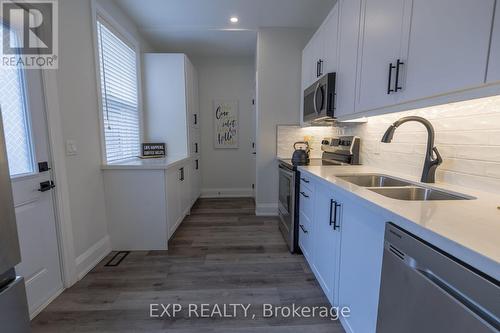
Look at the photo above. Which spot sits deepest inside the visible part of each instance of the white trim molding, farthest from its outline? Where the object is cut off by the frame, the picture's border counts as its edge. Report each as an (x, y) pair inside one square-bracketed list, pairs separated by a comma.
[(61, 194), (266, 209), (90, 258), (227, 193)]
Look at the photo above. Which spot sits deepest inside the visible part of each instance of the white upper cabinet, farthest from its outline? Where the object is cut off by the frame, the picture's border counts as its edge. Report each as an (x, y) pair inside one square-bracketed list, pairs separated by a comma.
[(320, 54), (381, 45), (329, 37), (494, 60), (308, 65), (349, 16), (448, 47)]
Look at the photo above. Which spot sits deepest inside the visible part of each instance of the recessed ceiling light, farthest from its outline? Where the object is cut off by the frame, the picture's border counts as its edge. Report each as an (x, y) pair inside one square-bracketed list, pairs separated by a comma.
[(234, 19)]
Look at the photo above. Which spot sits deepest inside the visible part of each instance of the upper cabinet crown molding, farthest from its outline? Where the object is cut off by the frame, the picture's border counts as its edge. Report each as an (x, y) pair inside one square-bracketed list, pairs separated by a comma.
[(494, 59)]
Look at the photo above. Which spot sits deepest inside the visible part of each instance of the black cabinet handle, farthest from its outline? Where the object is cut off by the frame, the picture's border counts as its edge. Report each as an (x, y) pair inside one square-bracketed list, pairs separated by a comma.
[(181, 170), (196, 147), (304, 195), (399, 63), (320, 67), (389, 89), (195, 119), (305, 180), (333, 214), (303, 229), (197, 165), (46, 186)]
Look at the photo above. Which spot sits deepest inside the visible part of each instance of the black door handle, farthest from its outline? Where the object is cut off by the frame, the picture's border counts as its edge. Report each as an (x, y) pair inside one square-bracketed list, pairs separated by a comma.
[(399, 63), (305, 180), (197, 165), (305, 195), (195, 119), (46, 186), (303, 229), (181, 170), (333, 214), (196, 147), (389, 89)]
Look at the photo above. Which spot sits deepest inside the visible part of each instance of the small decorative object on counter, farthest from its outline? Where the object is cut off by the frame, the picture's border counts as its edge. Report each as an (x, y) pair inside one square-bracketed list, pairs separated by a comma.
[(153, 150), (301, 154)]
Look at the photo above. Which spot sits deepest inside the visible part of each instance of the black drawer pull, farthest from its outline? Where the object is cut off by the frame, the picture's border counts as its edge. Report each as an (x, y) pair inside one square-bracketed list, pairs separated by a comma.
[(304, 195), (305, 180), (399, 63), (389, 89), (181, 176), (333, 214), (303, 229)]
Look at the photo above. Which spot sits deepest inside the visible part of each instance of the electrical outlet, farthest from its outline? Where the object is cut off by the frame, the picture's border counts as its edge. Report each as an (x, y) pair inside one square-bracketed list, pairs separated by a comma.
[(71, 148)]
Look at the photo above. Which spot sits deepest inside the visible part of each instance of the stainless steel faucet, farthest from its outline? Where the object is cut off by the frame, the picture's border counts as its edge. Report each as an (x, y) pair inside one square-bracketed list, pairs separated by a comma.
[(431, 162)]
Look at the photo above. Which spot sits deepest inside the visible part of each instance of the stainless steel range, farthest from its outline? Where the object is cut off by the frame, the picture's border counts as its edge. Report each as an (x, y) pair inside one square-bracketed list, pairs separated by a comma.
[(337, 151)]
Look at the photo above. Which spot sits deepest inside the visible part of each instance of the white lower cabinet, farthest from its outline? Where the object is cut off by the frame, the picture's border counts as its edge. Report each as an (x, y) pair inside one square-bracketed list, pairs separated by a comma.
[(361, 264), (326, 241), (145, 206), (343, 246), (179, 199)]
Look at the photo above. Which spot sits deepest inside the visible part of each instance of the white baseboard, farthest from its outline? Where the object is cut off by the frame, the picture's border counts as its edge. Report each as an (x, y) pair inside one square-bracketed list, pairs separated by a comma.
[(226, 192), (90, 258), (266, 210), (44, 305)]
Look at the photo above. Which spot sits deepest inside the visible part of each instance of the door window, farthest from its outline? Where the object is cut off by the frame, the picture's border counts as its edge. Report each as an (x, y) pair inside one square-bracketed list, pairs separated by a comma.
[(15, 118)]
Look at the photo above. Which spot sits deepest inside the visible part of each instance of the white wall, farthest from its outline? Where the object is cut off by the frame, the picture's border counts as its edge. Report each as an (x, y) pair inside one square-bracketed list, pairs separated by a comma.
[(279, 56), (467, 136), (227, 172), (77, 89)]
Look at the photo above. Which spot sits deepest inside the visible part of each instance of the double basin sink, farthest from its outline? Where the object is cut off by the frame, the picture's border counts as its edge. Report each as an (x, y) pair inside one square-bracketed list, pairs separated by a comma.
[(400, 189)]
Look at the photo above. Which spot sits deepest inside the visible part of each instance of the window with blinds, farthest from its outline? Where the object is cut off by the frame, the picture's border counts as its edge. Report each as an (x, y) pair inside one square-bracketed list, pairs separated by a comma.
[(119, 91)]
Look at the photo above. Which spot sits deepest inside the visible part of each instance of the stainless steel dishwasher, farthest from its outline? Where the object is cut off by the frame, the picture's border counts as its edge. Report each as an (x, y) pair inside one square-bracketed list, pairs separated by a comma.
[(426, 290)]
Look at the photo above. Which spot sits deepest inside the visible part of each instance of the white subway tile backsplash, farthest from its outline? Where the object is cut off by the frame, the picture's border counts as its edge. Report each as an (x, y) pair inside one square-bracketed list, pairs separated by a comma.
[(467, 136)]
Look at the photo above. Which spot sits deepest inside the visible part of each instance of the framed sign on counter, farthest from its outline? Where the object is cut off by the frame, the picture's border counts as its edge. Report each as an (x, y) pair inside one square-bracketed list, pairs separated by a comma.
[(226, 124)]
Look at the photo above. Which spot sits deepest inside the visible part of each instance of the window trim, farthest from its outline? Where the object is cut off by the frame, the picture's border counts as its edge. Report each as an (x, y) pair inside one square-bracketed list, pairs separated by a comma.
[(28, 122), (100, 14)]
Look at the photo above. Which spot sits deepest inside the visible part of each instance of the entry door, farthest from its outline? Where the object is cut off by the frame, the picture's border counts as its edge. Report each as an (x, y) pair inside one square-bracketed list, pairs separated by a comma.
[(23, 114)]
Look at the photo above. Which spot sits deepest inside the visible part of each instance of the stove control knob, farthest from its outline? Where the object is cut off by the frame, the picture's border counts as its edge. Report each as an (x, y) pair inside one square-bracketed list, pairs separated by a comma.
[(325, 142)]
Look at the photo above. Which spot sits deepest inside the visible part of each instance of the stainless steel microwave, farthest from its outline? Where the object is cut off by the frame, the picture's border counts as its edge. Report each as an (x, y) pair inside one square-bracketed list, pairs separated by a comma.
[(319, 100)]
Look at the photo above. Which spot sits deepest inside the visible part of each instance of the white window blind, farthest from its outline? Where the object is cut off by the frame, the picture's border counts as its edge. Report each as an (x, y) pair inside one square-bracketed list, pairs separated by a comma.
[(119, 90)]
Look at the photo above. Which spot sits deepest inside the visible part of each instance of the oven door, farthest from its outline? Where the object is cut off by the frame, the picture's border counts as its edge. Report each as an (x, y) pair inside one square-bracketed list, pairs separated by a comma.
[(286, 204)]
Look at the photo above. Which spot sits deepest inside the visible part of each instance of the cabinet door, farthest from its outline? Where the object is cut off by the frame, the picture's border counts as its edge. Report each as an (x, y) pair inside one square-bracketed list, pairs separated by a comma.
[(305, 230), (349, 17), (383, 31), (195, 179), (448, 46), (330, 40), (326, 239), (185, 189), (494, 59), (361, 264), (308, 65), (173, 200)]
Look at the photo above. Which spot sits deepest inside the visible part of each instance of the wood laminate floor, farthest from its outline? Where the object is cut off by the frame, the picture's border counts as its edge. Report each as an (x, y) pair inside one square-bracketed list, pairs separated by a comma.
[(221, 254)]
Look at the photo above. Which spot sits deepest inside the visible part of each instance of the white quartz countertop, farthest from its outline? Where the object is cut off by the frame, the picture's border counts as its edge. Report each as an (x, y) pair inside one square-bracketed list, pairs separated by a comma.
[(145, 164), (467, 229)]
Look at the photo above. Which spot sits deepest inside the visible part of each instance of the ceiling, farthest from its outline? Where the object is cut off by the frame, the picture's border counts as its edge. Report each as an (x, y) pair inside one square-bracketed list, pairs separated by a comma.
[(202, 27)]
